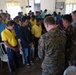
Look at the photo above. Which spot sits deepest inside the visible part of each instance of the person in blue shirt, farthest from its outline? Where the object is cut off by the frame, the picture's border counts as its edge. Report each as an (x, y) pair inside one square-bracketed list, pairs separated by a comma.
[(58, 16), (16, 28), (2, 26), (43, 14)]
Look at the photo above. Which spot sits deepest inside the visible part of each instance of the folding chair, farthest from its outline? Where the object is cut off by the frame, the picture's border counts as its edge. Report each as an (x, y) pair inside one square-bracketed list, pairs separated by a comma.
[(4, 57), (21, 52)]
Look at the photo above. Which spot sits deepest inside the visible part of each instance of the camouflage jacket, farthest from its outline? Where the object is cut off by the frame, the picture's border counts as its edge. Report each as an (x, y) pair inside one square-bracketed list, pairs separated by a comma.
[(51, 49), (70, 33)]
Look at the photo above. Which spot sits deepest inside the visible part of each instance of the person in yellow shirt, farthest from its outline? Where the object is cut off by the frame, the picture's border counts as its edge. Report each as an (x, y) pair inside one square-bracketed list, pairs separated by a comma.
[(37, 32), (33, 20), (9, 37), (4, 17)]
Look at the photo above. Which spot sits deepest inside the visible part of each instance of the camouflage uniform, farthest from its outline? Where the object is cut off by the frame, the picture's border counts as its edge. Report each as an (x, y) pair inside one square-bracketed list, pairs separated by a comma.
[(51, 49), (70, 33)]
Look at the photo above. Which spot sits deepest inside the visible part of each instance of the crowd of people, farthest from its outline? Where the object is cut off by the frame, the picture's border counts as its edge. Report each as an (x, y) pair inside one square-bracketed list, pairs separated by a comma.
[(50, 37)]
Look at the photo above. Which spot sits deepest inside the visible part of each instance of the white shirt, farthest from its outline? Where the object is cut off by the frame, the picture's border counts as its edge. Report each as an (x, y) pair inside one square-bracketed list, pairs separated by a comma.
[(71, 70)]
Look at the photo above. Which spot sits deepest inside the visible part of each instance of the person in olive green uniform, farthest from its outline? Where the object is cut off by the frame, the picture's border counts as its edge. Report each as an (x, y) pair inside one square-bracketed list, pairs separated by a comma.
[(70, 33), (51, 49)]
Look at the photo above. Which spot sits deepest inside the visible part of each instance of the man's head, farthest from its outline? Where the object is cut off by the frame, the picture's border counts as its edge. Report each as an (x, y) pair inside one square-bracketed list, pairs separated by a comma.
[(33, 17), (8, 16), (49, 23), (45, 10), (11, 24), (0, 18), (67, 19), (74, 15), (25, 21), (4, 16), (16, 19), (38, 21)]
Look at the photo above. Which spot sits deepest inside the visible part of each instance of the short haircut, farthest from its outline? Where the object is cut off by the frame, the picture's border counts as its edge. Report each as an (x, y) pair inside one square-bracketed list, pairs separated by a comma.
[(74, 12), (48, 15), (33, 16), (45, 10), (39, 19), (11, 23), (25, 18), (67, 17), (4, 14), (49, 20), (0, 16)]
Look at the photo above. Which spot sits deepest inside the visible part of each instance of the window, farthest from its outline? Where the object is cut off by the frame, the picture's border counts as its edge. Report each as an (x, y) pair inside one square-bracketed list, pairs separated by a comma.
[(13, 8), (37, 1), (70, 8), (37, 5)]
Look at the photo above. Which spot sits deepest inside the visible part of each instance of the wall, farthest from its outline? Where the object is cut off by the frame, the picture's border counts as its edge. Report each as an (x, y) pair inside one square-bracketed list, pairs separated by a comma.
[(63, 10), (4, 7), (48, 4), (31, 3), (45, 4)]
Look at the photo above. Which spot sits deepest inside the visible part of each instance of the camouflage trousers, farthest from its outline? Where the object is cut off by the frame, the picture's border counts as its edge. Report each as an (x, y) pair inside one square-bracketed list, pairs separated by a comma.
[(48, 71)]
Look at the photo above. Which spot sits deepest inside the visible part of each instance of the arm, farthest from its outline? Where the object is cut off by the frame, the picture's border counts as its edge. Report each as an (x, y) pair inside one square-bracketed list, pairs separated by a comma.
[(41, 48), (23, 39), (9, 46), (4, 38)]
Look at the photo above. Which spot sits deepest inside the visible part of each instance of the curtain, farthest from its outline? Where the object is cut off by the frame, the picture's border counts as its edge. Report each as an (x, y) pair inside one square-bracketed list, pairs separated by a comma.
[(70, 1), (13, 3)]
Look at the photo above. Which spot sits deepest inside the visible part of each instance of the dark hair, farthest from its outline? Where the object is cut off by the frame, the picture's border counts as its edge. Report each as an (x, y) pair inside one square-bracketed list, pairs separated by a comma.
[(4, 14), (0, 16), (11, 23), (74, 12), (39, 19), (48, 15), (67, 17), (33, 16), (59, 13), (45, 10), (24, 19), (17, 17), (49, 20)]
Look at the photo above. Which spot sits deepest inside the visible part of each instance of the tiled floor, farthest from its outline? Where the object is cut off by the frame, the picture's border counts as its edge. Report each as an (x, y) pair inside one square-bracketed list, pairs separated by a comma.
[(34, 70)]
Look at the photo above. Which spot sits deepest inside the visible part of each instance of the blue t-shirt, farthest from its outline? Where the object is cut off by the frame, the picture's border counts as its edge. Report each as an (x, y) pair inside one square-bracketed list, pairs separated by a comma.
[(17, 30), (2, 27)]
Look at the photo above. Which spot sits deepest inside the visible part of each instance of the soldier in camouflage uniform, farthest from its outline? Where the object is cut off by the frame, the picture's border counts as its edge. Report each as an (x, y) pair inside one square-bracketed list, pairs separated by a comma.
[(51, 49), (70, 32)]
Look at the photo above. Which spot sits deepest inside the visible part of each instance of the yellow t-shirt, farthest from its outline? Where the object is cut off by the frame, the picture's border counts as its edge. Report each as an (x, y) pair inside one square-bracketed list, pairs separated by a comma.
[(10, 37), (37, 31), (6, 21), (19, 23), (32, 22)]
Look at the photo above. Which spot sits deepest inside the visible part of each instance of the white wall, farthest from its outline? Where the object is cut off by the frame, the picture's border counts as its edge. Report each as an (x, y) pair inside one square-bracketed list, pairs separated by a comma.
[(48, 4), (31, 3), (4, 7), (63, 10)]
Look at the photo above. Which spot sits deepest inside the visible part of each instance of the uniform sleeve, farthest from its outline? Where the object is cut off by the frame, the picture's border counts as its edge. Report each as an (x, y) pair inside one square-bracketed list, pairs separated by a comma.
[(3, 36), (41, 48)]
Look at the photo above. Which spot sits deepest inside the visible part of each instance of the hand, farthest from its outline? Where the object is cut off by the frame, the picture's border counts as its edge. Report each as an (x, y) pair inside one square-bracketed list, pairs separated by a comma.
[(14, 49), (17, 48)]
